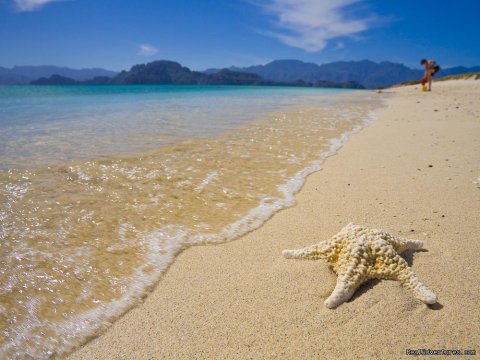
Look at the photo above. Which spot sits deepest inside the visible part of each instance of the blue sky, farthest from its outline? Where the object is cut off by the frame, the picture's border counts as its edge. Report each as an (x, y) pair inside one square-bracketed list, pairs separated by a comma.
[(219, 33)]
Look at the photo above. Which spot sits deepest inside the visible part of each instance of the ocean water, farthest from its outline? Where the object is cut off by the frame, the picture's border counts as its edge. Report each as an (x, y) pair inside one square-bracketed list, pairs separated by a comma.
[(102, 186)]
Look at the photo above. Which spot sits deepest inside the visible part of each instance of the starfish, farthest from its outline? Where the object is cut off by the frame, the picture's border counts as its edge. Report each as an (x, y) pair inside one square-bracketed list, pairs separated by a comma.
[(357, 254)]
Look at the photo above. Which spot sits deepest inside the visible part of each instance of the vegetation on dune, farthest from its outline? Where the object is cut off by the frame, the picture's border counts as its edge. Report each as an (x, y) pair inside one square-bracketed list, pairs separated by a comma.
[(469, 76), (466, 76)]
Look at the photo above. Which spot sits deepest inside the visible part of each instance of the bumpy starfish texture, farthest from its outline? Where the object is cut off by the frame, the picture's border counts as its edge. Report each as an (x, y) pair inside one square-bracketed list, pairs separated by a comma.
[(357, 254)]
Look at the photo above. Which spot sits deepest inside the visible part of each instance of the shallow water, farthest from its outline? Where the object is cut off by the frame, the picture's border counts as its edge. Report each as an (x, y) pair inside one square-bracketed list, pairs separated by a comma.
[(88, 227), (45, 125)]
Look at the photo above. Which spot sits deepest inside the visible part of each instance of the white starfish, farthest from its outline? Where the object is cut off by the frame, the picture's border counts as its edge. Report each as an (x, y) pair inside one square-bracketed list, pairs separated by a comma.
[(357, 254)]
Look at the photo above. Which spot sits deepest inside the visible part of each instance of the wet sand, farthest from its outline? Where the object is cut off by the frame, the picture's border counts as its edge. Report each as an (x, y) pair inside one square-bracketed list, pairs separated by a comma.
[(415, 172)]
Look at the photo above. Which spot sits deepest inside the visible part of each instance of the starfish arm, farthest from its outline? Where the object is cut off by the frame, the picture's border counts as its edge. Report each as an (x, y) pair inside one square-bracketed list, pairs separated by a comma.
[(401, 244), (350, 278), (343, 291), (313, 252), (410, 281)]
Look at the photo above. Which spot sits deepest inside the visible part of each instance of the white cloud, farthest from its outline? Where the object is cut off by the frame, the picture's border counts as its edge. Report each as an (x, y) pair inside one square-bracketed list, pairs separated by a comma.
[(309, 24), (147, 50), (31, 5)]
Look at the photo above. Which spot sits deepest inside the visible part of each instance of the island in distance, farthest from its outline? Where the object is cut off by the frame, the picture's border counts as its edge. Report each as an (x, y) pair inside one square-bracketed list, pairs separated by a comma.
[(22, 75), (367, 73), (347, 74), (164, 72)]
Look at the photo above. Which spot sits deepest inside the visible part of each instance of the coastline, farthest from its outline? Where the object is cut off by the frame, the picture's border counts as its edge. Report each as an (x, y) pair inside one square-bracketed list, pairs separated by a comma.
[(244, 300)]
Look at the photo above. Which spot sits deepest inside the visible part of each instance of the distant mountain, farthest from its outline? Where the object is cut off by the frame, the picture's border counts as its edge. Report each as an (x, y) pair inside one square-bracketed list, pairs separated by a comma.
[(159, 72), (55, 80), (288, 70), (26, 74), (169, 72), (459, 70), (278, 72), (229, 77), (365, 72), (334, 84)]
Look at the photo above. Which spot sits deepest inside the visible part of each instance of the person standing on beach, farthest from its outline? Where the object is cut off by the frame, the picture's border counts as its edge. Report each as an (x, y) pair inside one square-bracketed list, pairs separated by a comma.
[(431, 67)]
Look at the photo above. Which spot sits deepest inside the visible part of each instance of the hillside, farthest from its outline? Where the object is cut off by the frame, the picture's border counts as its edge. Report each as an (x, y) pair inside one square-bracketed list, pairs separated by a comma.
[(159, 72), (25, 74), (365, 72), (287, 72), (164, 72)]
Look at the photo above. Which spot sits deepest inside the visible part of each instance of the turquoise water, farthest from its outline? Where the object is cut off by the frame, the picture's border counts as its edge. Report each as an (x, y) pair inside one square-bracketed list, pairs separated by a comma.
[(45, 125), (101, 187)]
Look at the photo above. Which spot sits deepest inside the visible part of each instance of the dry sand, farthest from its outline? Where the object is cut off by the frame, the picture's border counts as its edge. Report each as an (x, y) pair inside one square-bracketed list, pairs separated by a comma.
[(415, 172)]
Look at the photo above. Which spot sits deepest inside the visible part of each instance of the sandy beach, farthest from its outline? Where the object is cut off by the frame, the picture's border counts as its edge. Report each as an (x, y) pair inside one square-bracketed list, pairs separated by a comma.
[(414, 172)]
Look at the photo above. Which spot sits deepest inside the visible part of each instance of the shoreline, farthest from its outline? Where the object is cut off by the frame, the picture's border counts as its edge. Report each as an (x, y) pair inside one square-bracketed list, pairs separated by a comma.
[(242, 299), (143, 209)]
